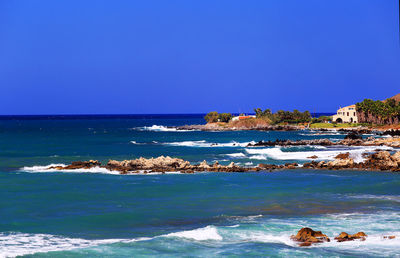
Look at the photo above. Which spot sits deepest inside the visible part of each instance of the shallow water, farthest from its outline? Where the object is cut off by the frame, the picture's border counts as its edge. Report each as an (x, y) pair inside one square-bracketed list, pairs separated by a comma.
[(100, 214)]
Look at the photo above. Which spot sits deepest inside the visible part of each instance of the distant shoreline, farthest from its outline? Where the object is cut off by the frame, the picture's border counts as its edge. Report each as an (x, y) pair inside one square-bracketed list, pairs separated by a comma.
[(113, 116)]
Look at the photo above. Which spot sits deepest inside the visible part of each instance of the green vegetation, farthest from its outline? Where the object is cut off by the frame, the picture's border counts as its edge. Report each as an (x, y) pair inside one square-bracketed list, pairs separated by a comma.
[(225, 117), (332, 125), (321, 119), (383, 110), (282, 116), (214, 117)]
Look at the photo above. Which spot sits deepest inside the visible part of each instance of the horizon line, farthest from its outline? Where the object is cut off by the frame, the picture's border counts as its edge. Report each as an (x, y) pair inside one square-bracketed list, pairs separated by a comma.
[(135, 114)]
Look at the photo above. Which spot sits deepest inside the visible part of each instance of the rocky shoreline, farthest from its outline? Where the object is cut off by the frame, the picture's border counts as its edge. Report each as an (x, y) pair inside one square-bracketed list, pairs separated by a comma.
[(160, 164), (378, 161), (216, 127), (350, 140), (377, 130)]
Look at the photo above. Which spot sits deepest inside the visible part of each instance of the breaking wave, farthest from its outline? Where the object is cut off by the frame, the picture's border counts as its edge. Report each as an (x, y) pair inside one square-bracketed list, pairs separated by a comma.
[(276, 153), (242, 229), (159, 128), (200, 234), (36, 169), (205, 144), (17, 244)]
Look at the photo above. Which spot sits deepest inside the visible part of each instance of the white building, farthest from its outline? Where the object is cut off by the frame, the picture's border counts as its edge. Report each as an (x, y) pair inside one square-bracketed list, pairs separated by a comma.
[(346, 115), (237, 118)]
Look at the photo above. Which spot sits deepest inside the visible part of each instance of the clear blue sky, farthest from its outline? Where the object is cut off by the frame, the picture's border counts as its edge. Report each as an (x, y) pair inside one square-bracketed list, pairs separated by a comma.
[(107, 57)]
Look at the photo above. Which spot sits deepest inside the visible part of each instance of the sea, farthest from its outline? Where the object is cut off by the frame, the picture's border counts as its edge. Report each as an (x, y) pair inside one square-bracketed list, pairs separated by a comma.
[(99, 213)]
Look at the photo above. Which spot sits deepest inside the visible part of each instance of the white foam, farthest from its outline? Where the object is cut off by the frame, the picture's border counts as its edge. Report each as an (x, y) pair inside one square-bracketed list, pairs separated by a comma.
[(140, 143), (205, 144), (200, 234), (159, 128), (263, 237), (17, 244), (393, 198), (236, 155), (41, 169), (313, 133), (276, 153)]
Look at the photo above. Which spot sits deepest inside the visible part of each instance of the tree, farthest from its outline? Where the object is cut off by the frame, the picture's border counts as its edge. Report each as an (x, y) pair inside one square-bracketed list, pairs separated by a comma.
[(258, 112), (212, 117), (225, 117), (380, 112)]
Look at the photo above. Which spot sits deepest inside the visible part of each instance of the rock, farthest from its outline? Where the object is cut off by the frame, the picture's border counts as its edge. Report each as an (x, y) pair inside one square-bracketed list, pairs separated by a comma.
[(216, 165), (353, 136), (307, 236), (83, 164), (341, 163), (313, 157), (343, 156), (203, 165), (269, 167), (231, 165), (392, 132), (291, 165), (323, 142), (389, 237), (346, 237), (382, 160), (396, 158)]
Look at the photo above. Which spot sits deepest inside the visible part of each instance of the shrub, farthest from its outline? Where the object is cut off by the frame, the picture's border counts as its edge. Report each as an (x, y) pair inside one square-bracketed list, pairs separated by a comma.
[(225, 117), (212, 117)]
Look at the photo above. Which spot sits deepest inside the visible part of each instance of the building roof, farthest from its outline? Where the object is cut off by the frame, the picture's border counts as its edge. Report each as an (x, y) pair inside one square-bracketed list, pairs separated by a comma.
[(351, 106)]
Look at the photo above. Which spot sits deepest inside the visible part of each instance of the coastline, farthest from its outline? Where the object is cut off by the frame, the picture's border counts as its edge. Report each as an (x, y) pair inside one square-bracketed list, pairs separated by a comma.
[(377, 129), (377, 161)]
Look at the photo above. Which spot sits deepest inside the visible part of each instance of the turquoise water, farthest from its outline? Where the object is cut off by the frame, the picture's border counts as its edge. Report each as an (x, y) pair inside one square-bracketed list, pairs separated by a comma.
[(97, 214)]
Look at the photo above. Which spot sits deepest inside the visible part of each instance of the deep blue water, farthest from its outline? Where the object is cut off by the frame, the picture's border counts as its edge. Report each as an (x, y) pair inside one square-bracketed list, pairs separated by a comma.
[(99, 214)]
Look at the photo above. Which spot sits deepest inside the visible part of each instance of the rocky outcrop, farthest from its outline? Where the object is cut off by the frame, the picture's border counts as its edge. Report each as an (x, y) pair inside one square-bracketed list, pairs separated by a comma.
[(353, 136), (307, 237), (343, 156), (79, 165), (391, 132), (159, 164), (322, 142), (380, 160), (346, 237)]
